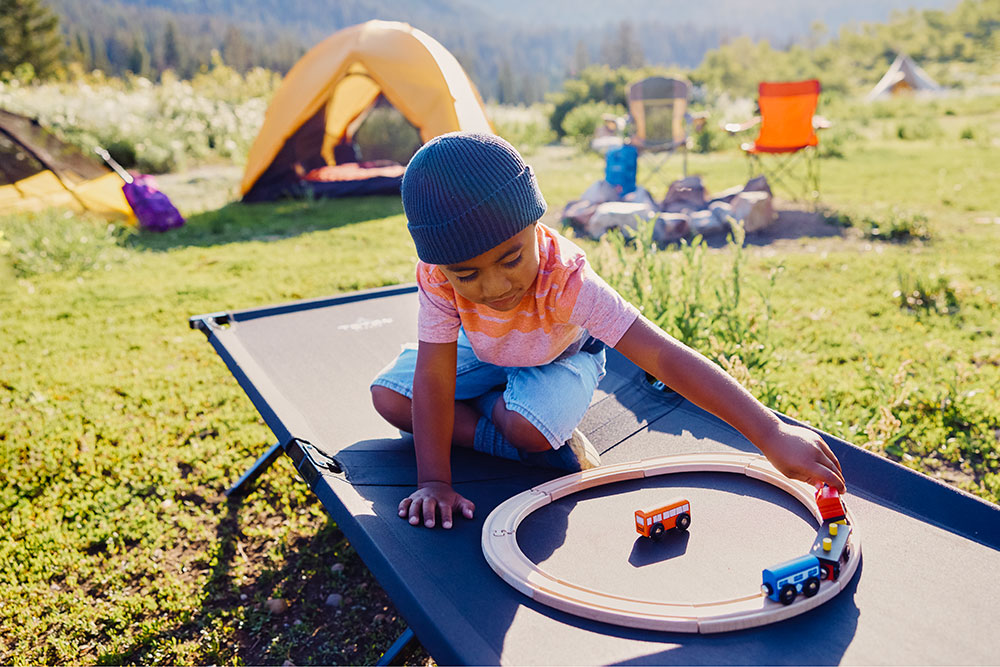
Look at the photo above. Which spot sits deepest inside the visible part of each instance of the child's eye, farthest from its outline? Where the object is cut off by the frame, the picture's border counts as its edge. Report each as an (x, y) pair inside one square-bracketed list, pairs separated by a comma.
[(514, 262), (467, 278)]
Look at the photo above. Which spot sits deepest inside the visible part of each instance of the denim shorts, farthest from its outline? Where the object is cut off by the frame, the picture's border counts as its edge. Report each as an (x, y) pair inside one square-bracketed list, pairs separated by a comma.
[(553, 397)]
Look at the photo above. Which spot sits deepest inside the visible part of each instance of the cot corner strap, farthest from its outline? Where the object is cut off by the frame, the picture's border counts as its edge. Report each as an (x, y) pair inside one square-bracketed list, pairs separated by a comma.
[(310, 461)]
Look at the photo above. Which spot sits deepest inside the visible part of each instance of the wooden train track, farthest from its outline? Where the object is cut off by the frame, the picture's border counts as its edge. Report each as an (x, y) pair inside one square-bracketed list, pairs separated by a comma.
[(500, 547)]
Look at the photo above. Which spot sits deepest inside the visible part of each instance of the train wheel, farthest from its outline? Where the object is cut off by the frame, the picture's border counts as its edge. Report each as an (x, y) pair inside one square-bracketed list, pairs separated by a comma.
[(827, 571), (811, 586), (787, 594), (683, 521), (656, 532)]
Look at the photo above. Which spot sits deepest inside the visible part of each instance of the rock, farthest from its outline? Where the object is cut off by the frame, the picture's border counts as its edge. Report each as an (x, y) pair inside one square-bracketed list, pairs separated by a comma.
[(379, 618), (754, 209), (723, 212), (640, 196), (684, 194), (723, 207), (758, 184), (334, 600), (623, 215), (276, 606), (706, 223), (578, 213), (726, 196), (600, 192), (670, 227)]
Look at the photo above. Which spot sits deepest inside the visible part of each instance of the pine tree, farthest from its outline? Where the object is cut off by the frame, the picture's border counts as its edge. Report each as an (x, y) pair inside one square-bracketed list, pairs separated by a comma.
[(171, 51), (236, 50), (29, 34), (138, 56)]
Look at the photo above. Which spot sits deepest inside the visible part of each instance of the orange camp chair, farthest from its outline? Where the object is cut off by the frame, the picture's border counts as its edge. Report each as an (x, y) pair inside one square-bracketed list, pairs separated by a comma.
[(658, 106), (787, 133)]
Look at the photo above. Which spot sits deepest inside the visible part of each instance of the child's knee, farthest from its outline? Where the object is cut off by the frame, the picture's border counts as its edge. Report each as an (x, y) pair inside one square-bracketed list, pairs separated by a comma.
[(393, 407), (518, 431)]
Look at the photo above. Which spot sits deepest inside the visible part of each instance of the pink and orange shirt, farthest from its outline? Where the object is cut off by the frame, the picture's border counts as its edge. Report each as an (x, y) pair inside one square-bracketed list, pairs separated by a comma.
[(568, 303)]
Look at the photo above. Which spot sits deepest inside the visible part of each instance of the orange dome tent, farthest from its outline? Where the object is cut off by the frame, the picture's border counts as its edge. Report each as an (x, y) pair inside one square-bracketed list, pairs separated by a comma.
[(320, 101)]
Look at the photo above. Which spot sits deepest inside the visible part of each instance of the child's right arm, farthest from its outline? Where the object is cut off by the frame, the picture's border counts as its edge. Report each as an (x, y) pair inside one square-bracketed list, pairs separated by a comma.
[(433, 425)]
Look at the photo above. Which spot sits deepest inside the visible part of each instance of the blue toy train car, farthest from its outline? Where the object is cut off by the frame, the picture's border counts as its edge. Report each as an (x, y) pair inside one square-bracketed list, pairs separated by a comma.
[(799, 575)]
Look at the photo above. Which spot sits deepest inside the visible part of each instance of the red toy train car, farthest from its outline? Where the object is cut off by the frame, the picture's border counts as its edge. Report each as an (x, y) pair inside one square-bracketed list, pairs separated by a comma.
[(831, 507)]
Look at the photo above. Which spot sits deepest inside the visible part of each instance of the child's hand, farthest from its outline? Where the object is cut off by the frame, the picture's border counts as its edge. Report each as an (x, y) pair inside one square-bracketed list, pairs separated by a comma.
[(432, 496), (799, 453)]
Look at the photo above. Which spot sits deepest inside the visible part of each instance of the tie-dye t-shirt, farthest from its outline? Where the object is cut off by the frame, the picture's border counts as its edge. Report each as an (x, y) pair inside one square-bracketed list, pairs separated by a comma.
[(569, 303)]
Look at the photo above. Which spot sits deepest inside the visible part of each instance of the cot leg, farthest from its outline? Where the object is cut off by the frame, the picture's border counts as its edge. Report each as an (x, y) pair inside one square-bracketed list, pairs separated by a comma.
[(398, 646), (256, 470)]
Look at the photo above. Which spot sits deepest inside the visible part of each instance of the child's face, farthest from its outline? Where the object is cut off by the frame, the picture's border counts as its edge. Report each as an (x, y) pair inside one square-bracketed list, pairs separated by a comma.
[(501, 276)]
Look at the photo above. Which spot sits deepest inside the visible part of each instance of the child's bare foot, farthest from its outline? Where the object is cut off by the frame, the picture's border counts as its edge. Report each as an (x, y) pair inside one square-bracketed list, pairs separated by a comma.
[(585, 452)]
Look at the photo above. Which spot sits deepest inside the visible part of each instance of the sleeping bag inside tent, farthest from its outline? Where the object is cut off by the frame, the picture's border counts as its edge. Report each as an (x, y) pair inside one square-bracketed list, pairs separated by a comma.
[(307, 143), (38, 171)]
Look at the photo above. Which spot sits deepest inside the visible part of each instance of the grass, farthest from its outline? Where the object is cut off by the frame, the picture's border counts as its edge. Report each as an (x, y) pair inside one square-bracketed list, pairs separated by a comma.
[(120, 428)]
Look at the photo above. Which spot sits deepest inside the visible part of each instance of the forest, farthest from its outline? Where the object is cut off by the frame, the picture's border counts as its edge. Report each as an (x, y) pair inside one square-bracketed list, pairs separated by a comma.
[(511, 59)]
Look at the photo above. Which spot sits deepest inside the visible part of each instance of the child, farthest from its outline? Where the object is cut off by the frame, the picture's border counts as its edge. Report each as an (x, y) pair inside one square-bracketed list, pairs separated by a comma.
[(512, 327)]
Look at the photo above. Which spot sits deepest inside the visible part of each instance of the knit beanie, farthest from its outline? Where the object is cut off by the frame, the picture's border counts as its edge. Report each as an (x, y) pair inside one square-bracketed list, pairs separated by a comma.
[(466, 192)]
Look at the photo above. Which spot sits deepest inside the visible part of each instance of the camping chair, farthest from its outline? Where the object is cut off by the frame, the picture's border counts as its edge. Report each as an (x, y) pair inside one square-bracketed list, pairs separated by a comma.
[(928, 547), (787, 136), (658, 106)]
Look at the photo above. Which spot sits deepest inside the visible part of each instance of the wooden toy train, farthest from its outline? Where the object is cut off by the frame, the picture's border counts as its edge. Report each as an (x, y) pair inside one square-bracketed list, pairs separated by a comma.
[(782, 582), (831, 550)]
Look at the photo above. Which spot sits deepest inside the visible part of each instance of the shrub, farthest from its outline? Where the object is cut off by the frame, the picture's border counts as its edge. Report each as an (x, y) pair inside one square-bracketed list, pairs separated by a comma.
[(526, 128), (709, 138), (918, 128), (580, 123), (123, 152), (926, 295), (896, 224)]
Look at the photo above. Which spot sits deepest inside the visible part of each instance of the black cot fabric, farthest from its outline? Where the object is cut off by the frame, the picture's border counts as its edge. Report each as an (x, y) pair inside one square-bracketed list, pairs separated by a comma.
[(924, 593)]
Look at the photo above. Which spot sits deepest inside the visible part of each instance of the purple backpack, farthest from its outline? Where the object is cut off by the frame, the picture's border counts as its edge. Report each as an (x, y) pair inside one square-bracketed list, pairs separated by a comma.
[(153, 209)]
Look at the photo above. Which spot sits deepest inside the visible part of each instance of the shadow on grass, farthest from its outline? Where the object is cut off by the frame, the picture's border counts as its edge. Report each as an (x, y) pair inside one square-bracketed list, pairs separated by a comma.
[(238, 222), (790, 224), (233, 622)]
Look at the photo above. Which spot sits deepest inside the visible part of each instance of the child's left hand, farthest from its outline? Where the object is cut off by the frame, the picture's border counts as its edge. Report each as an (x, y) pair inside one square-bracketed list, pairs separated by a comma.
[(800, 453)]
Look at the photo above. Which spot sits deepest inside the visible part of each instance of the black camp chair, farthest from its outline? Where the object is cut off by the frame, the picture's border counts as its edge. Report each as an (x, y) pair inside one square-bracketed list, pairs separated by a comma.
[(925, 591), (658, 107)]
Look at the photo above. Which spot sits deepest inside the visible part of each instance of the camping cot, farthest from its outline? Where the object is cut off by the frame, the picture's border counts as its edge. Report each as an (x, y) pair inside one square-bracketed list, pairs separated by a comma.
[(924, 593)]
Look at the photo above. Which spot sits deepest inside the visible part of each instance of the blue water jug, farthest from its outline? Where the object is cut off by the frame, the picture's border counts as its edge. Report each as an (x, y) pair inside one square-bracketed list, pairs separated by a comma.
[(619, 169)]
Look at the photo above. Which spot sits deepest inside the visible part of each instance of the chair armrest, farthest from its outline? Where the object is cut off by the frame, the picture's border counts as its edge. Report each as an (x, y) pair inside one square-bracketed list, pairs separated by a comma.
[(734, 128), (821, 123)]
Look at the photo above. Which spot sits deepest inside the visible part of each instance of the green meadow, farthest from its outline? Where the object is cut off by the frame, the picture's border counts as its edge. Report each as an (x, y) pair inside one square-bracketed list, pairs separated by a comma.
[(121, 428)]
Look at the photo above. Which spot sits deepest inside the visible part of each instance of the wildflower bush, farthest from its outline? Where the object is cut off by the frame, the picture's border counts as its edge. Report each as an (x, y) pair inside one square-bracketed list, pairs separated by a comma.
[(156, 128), (527, 128)]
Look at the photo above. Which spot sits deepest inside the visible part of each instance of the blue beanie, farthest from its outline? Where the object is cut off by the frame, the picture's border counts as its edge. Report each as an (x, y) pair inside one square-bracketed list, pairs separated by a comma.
[(466, 192)]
